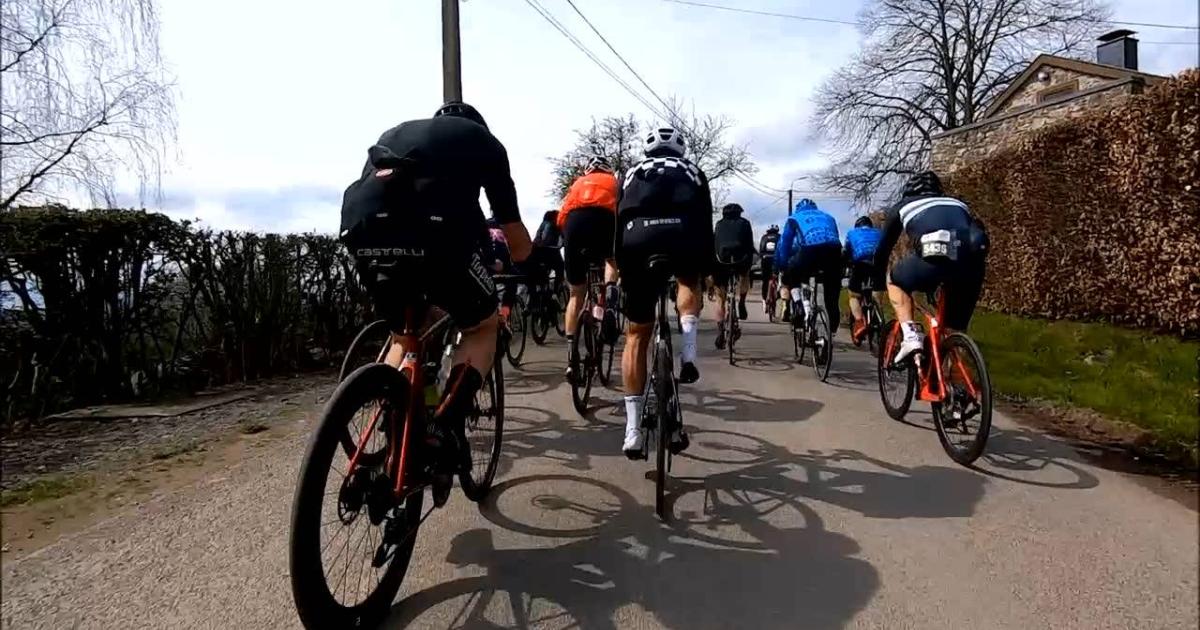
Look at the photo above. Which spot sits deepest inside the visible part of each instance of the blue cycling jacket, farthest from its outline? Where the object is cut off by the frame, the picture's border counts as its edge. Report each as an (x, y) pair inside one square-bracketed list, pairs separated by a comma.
[(808, 226), (861, 243)]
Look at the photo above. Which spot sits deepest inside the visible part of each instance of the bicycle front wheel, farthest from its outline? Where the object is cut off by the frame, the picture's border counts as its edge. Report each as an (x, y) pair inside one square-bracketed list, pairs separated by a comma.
[(822, 354), (484, 432), (896, 382), (964, 418), (366, 348), (351, 540)]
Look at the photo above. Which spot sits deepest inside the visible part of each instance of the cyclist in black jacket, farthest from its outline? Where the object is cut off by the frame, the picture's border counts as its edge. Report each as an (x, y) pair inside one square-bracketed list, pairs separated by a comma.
[(766, 253), (734, 239), (665, 210), (949, 249), (413, 223)]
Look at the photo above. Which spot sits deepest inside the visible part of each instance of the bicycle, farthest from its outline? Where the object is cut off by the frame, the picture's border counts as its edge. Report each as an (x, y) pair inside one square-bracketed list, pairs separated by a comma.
[(945, 356), (661, 411), (771, 303), (374, 418), (874, 319), (815, 332), (733, 327), (589, 343), (544, 311), (514, 324)]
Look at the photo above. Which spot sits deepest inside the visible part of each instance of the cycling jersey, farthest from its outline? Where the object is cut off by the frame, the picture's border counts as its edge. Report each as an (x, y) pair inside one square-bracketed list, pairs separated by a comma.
[(807, 227), (734, 239), (861, 243), (594, 190)]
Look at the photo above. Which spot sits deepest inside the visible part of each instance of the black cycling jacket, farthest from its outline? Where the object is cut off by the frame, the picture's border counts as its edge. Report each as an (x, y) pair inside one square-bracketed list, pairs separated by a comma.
[(917, 216), (664, 186), (734, 238), (454, 158)]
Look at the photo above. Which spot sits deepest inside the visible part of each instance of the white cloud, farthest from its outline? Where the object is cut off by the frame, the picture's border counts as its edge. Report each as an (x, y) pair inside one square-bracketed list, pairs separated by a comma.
[(283, 98)]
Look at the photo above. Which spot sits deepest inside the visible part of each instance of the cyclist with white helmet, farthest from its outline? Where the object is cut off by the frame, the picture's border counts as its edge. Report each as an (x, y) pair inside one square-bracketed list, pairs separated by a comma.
[(587, 221), (665, 212)]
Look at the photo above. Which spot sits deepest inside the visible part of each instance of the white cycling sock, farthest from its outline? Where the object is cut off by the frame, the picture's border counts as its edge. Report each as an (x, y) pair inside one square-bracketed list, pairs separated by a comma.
[(689, 323), (911, 330), (633, 412)]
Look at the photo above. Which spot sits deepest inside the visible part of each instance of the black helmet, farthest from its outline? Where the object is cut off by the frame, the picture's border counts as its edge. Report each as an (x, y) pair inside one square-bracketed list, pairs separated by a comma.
[(773, 228), (731, 210), (863, 221), (923, 184), (462, 110)]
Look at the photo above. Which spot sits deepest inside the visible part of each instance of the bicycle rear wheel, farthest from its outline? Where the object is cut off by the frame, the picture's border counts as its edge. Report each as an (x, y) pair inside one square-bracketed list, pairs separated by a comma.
[(731, 320), (518, 323), (822, 352), (874, 327), (583, 346), (964, 419), (484, 432), (540, 316), (896, 382), (356, 506), (665, 392), (604, 362)]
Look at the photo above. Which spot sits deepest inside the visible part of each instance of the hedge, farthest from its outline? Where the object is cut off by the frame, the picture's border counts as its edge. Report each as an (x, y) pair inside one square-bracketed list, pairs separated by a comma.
[(1098, 218), (112, 305)]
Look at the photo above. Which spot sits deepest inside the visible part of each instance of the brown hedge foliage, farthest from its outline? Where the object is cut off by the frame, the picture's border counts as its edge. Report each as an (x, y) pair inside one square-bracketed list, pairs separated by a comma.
[(1098, 217), (111, 305)]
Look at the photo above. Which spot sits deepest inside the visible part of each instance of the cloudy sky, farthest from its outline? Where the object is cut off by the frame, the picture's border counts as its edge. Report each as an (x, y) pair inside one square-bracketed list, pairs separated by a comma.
[(278, 100)]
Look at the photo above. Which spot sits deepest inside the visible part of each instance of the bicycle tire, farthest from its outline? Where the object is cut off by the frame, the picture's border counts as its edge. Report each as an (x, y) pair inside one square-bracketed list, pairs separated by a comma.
[(665, 385), (517, 324), (731, 316), (874, 318), (582, 346), (977, 445), (316, 605), (539, 317), (895, 409), (477, 489), (560, 310), (822, 360), (605, 362), (350, 361)]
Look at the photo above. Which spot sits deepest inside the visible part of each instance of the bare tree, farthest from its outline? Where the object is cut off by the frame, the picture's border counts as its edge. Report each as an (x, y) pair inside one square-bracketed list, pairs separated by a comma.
[(620, 141), (84, 99), (928, 66)]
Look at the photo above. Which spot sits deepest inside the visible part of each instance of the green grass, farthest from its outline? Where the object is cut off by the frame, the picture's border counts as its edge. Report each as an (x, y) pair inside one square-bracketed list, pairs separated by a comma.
[(1145, 379), (52, 487), (1148, 380)]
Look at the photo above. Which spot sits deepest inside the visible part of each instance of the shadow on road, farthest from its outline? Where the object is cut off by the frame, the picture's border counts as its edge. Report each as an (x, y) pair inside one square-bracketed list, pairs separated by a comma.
[(1028, 457), (743, 549), (739, 405)]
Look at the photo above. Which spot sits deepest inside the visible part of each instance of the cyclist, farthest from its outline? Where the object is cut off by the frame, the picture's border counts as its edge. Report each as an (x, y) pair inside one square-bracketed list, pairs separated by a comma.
[(766, 252), (809, 247), (414, 226), (734, 241), (547, 243), (859, 256), (665, 210), (588, 222), (949, 249)]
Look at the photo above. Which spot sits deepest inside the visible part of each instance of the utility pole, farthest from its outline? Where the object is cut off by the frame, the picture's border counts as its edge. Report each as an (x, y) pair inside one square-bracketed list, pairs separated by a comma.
[(787, 213), (451, 53)]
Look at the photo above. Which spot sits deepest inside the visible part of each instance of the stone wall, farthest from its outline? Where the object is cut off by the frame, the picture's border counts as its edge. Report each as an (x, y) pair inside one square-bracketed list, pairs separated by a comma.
[(1028, 95), (954, 149)]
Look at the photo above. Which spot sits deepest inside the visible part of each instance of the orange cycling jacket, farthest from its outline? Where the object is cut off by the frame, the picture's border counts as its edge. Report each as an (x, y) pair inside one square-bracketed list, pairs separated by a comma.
[(595, 190)]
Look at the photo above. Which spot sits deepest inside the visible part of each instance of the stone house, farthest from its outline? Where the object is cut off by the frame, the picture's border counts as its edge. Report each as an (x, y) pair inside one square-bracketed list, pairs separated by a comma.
[(1049, 90)]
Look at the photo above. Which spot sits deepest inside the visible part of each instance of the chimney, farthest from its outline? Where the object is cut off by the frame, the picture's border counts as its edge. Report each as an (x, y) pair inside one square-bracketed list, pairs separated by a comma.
[(1118, 48)]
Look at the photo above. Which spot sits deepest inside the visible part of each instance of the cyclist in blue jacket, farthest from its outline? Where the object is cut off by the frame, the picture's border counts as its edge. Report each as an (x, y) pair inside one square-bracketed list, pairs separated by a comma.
[(810, 247), (859, 255)]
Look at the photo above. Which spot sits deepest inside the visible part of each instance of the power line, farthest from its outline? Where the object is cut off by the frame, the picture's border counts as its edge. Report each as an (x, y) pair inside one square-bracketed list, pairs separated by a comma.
[(808, 18)]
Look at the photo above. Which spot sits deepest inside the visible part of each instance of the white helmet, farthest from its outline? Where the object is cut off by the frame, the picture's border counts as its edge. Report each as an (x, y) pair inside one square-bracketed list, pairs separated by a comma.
[(666, 138)]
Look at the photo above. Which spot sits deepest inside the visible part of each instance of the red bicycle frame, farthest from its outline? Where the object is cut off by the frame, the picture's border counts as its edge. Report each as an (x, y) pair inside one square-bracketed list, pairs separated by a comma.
[(930, 375)]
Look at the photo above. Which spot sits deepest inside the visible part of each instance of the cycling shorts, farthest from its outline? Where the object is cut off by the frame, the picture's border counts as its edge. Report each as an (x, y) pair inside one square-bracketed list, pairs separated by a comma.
[(721, 272), (863, 274), (821, 261), (464, 289), (588, 239), (685, 240), (961, 279)]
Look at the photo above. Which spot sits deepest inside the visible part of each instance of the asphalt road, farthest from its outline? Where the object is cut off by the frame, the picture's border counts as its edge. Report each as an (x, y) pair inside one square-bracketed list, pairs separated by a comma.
[(800, 505)]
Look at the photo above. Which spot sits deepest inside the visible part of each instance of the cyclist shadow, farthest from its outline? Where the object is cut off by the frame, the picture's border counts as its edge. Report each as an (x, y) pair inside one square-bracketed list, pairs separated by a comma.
[(740, 405), (542, 433), (783, 570), (1028, 457)]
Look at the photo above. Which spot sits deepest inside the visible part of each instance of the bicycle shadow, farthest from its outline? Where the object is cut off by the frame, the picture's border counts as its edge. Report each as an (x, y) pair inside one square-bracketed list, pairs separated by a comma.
[(740, 405), (541, 433), (1031, 458), (792, 571)]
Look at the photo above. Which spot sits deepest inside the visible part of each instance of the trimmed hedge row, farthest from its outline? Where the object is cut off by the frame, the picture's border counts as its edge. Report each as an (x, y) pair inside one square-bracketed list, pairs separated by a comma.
[(111, 305), (1098, 217)]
